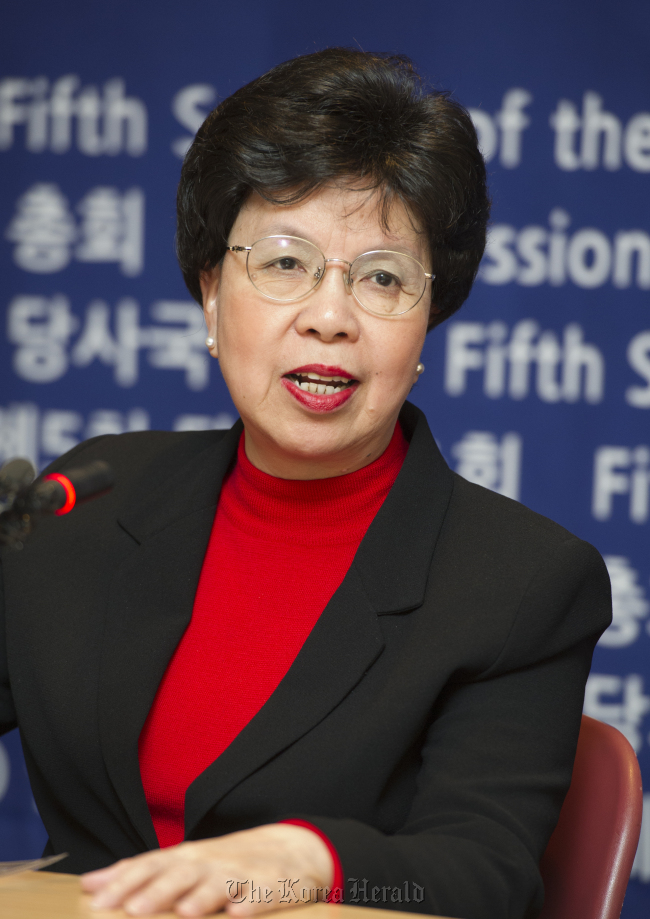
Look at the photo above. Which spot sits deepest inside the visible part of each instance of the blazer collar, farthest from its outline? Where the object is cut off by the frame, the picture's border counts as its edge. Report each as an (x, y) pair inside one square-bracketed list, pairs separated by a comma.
[(399, 542), (152, 597)]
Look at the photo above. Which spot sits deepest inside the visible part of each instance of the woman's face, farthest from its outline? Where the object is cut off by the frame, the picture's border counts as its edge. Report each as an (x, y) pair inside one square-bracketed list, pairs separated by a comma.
[(260, 343)]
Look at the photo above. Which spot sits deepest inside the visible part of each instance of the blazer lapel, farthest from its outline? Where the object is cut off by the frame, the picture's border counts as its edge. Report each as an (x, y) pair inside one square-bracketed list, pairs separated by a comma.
[(150, 606), (388, 575), (343, 644), (395, 555)]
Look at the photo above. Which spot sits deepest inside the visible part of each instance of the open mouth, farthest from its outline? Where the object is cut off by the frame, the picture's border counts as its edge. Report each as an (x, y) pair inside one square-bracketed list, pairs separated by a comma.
[(319, 384), (320, 388)]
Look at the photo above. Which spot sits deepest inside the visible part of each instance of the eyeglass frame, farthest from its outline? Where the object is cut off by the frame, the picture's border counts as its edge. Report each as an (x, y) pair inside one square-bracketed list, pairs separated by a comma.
[(347, 280)]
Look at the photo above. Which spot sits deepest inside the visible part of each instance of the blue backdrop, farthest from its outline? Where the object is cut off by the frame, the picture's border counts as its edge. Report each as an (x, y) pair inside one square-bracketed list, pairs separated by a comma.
[(539, 388)]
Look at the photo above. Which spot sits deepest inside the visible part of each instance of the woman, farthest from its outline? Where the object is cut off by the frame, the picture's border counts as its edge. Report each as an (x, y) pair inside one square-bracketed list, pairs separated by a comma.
[(303, 655)]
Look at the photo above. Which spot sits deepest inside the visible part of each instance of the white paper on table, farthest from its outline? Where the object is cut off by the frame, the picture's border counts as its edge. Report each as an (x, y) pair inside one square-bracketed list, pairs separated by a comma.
[(29, 864)]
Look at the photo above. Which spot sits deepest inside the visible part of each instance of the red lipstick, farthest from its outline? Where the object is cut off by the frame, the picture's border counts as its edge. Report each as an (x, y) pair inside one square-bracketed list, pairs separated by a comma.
[(323, 369), (320, 402)]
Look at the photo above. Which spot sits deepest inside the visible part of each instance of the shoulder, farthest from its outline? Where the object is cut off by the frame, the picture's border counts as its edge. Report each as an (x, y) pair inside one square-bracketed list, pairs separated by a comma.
[(155, 454), (487, 530), (143, 463), (548, 587), (151, 470), (503, 526), (504, 547)]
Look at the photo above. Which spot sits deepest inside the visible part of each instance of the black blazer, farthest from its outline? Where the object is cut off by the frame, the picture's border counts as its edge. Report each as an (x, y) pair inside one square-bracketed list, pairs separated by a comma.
[(428, 725)]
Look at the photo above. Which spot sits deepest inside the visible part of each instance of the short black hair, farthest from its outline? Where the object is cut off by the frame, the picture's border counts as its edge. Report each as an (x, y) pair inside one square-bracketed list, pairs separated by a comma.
[(340, 114)]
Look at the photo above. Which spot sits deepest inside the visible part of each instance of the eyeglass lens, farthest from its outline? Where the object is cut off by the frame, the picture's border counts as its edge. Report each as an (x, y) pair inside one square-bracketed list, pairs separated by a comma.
[(287, 268)]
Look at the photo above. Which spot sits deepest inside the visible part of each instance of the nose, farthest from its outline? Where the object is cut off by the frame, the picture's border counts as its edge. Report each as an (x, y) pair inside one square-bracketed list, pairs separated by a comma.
[(329, 312)]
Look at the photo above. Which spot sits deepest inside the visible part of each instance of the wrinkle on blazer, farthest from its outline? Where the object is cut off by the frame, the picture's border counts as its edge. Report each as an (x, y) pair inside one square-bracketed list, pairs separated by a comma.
[(427, 726)]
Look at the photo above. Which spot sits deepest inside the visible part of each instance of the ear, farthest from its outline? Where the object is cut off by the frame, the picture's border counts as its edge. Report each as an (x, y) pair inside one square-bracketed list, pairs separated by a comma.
[(209, 281)]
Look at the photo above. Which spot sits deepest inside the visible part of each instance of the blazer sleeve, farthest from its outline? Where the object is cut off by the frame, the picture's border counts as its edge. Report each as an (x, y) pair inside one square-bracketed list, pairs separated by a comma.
[(7, 711), (8, 719), (496, 763)]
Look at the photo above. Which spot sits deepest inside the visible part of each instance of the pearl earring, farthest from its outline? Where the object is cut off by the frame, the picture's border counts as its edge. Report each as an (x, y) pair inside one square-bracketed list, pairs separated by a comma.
[(210, 342), (419, 369)]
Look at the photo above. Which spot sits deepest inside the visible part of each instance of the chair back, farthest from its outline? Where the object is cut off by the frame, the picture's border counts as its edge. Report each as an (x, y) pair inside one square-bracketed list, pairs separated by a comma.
[(587, 863)]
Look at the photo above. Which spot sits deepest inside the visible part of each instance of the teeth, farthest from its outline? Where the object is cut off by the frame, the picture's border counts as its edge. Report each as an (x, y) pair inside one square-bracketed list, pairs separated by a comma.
[(315, 376), (317, 385)]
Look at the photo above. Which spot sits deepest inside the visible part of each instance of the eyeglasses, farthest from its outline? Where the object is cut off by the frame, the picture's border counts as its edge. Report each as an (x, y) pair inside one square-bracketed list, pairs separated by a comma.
[(287, 268)]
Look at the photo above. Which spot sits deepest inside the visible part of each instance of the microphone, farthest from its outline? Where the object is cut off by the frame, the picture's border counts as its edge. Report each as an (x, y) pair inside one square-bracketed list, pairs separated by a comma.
[(56, 493)]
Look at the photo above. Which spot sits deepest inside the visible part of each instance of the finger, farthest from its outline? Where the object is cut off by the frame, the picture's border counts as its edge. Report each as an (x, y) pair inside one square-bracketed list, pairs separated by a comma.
[(207, 897), (132, 874), (302, 895), (93, 880), (164, 891)]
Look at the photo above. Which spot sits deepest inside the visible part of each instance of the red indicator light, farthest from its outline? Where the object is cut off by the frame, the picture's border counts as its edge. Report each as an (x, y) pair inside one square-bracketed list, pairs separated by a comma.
[(71, 495)]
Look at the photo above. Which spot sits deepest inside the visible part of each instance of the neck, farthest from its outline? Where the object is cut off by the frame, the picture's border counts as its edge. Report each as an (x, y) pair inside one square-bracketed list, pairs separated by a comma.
[(270, 457)]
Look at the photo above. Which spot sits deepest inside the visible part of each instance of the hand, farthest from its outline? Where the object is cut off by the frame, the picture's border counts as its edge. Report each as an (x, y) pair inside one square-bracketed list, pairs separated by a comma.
[(197, 878)]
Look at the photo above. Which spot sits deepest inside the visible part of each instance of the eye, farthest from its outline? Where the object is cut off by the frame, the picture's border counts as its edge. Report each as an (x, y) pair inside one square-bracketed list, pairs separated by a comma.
[(287, 264), (383, 278)]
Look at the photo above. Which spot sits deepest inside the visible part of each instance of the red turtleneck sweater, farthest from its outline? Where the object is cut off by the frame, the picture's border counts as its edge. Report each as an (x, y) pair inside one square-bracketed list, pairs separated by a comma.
[(278, 550)]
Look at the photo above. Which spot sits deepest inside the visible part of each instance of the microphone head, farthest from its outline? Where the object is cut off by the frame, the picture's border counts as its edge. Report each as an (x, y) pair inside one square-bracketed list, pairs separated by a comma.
[(14, 475)]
